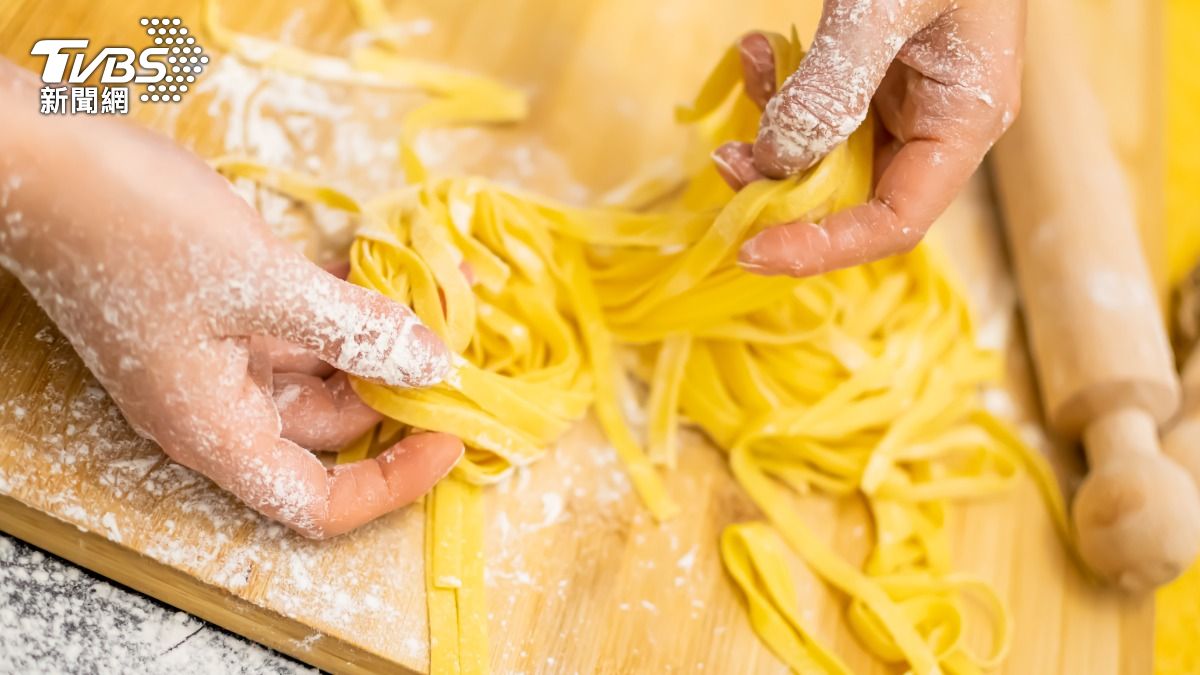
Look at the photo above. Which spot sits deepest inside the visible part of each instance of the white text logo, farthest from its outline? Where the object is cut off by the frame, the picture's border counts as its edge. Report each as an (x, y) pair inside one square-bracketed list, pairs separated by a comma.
[(165, 70)]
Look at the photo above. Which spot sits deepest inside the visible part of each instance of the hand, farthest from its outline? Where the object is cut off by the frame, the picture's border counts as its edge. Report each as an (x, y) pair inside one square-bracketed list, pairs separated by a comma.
[(944, 76), (216, 340)]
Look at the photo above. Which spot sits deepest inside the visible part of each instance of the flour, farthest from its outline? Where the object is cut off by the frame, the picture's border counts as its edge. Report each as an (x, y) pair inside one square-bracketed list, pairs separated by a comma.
[(1113, 291), (291, 122), (552, 508), (687, 560), (83, 434), (109, 522), (55, 618)]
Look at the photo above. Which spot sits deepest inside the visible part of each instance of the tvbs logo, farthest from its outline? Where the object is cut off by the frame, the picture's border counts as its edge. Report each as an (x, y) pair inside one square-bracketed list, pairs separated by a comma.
[(164, 71)]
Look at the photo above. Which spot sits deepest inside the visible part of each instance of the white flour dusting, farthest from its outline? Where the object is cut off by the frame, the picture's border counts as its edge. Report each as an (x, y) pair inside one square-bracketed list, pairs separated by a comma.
[(54, 618), (83, 438), (1113, 291)]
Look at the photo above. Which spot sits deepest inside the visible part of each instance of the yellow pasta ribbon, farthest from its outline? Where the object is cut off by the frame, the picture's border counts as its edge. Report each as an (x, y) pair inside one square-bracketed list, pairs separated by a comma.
[(454, 582), (862, 381), (757, 562)]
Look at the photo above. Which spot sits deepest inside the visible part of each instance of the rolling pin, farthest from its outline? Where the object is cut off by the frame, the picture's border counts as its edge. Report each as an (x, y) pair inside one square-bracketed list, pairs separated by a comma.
[(1181, 439), (1103, 360)]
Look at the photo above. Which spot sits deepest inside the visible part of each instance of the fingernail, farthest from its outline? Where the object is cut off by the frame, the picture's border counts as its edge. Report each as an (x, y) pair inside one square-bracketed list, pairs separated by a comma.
[(776, 158), (725, 169), (757, 256), (758, 67), (735, 163), (462, 451), (750, 254)]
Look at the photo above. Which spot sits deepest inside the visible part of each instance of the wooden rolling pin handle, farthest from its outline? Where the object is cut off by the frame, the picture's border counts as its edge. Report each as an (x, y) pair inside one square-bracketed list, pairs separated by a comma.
[(1137, 514), (1181, 440), (1182, 444), (1105, 367)]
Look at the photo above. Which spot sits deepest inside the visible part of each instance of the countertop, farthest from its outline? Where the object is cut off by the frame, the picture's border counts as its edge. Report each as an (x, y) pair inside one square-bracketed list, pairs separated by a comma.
[(57, 617)]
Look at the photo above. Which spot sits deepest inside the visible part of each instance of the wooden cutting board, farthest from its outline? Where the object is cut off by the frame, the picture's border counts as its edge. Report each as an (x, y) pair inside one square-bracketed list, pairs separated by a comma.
[(579, 577)]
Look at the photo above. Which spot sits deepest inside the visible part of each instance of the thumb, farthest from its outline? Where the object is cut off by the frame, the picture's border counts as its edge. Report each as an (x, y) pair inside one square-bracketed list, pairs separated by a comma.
[(349, 327), (210, 415), (828, 96)]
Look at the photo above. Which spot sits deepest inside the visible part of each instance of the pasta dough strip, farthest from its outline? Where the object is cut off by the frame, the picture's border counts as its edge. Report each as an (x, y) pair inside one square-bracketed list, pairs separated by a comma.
[(442, 602), (753, 556), (454, 578), (663, 406)]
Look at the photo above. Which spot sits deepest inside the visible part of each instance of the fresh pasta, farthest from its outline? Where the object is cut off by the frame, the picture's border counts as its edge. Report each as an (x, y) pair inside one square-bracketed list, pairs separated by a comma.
[(861, 382)]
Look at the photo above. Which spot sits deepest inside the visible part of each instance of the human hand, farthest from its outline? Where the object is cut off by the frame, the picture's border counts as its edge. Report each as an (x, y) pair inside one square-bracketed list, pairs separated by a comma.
[(216, 340), (944, 77)]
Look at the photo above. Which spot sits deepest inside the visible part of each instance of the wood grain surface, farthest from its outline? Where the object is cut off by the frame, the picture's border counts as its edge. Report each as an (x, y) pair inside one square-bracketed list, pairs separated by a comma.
[(579, 577)]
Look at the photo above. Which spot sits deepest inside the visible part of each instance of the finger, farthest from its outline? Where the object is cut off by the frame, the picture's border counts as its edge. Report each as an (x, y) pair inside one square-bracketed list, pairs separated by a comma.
[(735, 163), (258, 362), (289, 484), (963, 70), (320, 415), (349, 327), (285, 357), (339, 269), (758, 67), (227, 429), (828, 96), (918, 184), (886, 148), (889, 101), (362, 491), (944, 122)]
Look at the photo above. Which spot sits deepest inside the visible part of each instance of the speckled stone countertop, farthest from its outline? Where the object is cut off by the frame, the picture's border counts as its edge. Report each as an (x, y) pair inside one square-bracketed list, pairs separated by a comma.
[(58, 618)]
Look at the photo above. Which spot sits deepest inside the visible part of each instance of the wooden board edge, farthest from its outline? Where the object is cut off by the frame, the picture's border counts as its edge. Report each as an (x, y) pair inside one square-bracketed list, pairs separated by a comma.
[(183, 591)]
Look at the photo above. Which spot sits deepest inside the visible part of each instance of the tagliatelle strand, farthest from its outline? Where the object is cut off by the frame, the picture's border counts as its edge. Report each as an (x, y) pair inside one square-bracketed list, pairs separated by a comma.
[(454, 581), (663, 404), (295, 185), (862, 381), (756, 561)]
